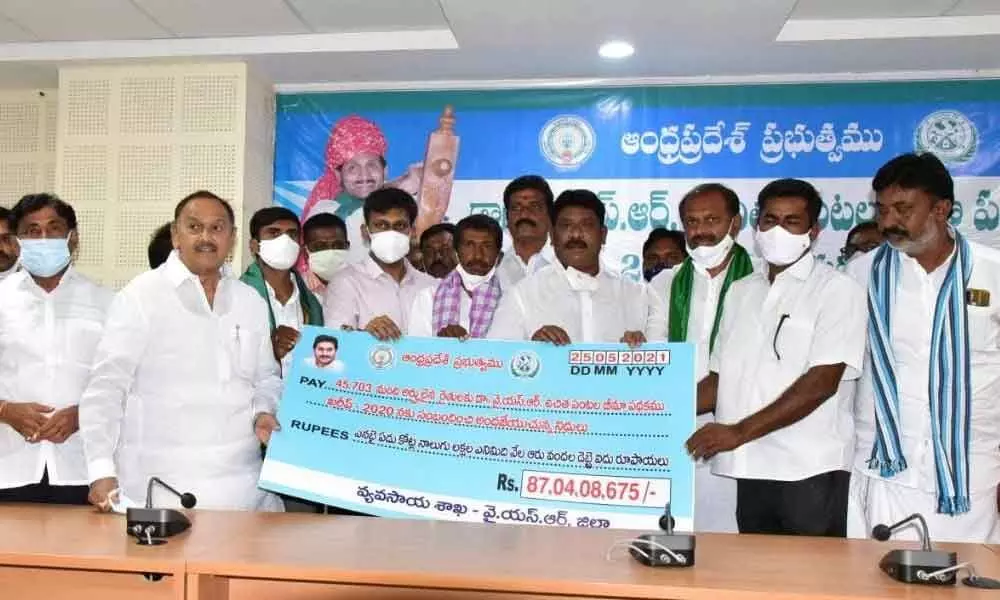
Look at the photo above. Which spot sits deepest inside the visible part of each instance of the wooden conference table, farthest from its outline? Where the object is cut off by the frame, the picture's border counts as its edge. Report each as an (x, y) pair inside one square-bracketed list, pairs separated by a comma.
[(50, 553)]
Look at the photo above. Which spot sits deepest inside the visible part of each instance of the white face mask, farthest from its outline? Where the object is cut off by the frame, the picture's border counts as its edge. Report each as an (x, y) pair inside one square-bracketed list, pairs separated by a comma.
[(325, 263), (709, 257), (779, 247), (390, 246), (279, 253), (469, 281)]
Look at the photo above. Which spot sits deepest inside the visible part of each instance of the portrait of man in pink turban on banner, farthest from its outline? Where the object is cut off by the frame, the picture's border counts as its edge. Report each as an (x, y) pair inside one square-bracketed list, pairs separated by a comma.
[(355, 166)]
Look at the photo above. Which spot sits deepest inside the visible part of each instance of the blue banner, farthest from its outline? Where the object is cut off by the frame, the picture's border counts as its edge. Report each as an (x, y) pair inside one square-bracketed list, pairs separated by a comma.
[(642, 148), (488, 431)]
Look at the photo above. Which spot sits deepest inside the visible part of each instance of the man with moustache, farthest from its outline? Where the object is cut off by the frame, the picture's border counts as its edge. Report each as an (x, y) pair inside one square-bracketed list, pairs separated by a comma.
[(574, 300), (693, 293), (184, 383), (527, 203), (437, 250), (462, 305), (928, 406), (377, 294), (8, 244), (790, 341)]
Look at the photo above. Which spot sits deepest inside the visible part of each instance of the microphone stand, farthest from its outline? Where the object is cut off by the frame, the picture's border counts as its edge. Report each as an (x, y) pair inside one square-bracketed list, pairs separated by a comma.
[(924, 566), (150, 525)]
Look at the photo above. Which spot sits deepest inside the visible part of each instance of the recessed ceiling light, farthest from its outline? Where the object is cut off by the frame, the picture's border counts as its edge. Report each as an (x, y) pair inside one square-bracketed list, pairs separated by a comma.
[(616, 50)]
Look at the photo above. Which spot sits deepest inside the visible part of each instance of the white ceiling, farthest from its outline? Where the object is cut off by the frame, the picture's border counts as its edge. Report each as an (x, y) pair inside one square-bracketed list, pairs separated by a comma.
[(309, 41)]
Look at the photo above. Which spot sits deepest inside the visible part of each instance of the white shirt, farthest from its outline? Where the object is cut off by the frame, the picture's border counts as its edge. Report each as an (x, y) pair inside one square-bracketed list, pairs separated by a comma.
[(705, 292), (825, 325), (422, 314), (47, 341), (175, 387), (599, 309), (361, 291), (512, 269), (8, 272), (912, 317), (288, 314)]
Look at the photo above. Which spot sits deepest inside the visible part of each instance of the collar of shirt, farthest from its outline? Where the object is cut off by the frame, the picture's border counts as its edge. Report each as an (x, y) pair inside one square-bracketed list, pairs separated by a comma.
[(182, 279), (536, 261), (27, 282), (579, 281), (374, 270), (272, 297)]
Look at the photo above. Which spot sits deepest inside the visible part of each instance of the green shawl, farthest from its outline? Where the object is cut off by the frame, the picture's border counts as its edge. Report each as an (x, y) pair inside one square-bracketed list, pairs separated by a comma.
[(312, 311), (680, 294)]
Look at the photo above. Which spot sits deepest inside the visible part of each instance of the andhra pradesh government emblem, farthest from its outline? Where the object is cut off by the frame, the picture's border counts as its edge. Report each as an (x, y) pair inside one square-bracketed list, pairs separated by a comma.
[(567, 141), (381, 357), (949, 135), (525, 365)]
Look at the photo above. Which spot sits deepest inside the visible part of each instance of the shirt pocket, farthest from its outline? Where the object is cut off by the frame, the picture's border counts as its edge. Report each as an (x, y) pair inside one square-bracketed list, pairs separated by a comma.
[(243, 345), (82, 337), (982, 329), (792, 340)]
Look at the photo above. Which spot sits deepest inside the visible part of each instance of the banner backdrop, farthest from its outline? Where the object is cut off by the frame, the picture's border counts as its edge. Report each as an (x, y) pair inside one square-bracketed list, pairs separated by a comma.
[(642, 148)]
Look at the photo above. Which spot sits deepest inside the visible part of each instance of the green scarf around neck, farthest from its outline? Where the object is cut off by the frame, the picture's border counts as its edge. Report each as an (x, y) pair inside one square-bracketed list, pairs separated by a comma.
[(312, 311), (683, 283)]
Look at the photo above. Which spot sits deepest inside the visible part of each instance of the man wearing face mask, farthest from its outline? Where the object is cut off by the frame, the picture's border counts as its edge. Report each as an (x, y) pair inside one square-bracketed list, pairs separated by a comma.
[(462, 305), (527, 203), (693, 294), (437, 250), (184, 384), (928, 416), (663, 250), (274, 234), (790, 341), (575, 300), (51, 318), (327, 250), (377, 294), (8, 244)]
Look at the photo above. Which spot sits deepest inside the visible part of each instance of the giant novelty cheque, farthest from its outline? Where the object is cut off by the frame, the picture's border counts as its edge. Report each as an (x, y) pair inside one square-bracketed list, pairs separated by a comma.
[(588, 435)]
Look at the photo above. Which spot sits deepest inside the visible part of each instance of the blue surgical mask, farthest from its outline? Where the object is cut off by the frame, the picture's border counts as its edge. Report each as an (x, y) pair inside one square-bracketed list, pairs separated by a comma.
[(44, 257)]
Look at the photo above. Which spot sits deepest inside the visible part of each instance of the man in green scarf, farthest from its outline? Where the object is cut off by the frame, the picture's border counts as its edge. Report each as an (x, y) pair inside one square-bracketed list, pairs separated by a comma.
[(693, 293), (274, 235)]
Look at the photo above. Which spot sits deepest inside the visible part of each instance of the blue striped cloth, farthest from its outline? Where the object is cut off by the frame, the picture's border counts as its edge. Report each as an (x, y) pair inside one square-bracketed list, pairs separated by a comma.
[(949, 392)]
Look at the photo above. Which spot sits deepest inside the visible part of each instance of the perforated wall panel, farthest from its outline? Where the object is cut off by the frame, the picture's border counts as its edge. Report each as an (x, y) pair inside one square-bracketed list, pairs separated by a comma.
[(133, 140), (27, 122)]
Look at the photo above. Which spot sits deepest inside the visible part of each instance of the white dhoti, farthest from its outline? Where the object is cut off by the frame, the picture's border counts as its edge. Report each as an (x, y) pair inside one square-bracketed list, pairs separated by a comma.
[(874, 501), (714, 496)]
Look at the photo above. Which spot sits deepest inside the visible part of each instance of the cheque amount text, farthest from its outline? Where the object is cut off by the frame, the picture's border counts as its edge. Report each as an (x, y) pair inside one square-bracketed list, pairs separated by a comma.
[(595, 489)]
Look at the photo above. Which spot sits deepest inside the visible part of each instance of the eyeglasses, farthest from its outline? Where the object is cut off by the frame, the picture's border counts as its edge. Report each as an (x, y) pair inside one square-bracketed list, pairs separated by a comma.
[(774, 342)]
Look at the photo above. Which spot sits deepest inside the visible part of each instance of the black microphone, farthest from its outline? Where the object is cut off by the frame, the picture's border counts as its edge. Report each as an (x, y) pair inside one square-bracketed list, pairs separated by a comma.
[(926, 566), (188, 499), (882, 532)]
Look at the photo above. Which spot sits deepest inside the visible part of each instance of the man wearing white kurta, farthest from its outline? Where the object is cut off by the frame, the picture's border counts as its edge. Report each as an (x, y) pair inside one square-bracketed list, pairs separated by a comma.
[(462, 305), (51, 318), (527, 203), (934, 323), (574, 300), (790, 342), (184, 376), (693, 293)]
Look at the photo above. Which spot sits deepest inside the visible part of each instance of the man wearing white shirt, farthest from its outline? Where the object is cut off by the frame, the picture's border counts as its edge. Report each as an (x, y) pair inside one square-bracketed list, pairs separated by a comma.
[(377, 294), (928, 404), (274, 235), (8, 244), (184, 384), (574, 300), (693, 293), (790, 341), (51, 318), (462, 305), (527, 203)]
